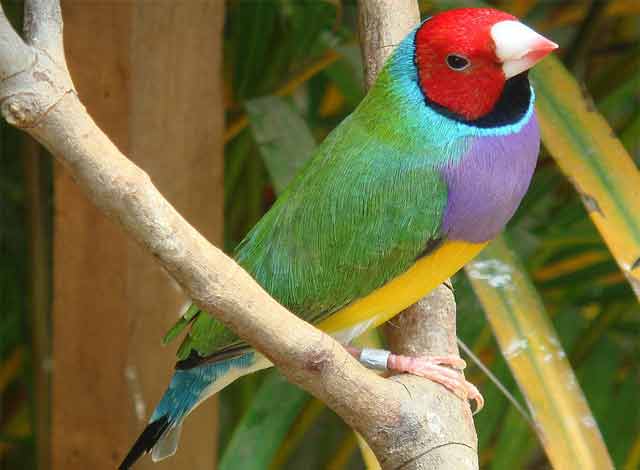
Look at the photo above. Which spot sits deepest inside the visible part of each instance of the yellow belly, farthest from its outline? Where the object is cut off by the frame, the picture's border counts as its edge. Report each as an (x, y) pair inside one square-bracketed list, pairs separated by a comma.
[(405, 290)]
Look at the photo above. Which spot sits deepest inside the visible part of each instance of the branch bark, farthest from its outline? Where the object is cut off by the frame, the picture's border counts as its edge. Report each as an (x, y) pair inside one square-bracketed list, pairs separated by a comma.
[(383, 24), (43, 27), (37, 95)]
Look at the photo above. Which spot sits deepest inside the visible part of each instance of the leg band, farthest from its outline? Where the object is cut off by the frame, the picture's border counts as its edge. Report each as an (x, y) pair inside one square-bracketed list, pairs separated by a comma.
[(375, 358)]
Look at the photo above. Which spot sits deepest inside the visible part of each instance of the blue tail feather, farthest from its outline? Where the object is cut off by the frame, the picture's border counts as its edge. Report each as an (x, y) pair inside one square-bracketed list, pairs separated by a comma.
[(187, 389), (146, 441)]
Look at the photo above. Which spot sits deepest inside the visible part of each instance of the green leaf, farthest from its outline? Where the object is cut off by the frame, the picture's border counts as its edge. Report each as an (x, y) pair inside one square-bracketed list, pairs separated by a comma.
[(283, 137), (262, 429), (514, 445), (621, 102), (347, 74), (534, 353)]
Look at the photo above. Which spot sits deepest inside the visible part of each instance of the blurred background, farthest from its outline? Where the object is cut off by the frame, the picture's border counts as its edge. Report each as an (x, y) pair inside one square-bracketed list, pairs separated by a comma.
[(221, 102)]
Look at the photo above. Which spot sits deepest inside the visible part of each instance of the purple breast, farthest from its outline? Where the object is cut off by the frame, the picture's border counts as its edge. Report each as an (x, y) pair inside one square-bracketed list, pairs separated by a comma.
[(486, 185)]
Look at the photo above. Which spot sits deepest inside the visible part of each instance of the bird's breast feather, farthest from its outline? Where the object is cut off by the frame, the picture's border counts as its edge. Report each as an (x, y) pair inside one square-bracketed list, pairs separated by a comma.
[(486, 185)]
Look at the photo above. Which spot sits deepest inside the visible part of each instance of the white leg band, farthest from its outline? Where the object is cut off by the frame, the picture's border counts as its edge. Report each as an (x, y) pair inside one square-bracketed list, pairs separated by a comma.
[(375, 358)]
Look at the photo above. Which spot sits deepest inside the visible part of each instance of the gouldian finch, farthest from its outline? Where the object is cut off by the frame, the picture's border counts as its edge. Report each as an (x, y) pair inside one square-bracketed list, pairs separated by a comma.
[(407, 189)]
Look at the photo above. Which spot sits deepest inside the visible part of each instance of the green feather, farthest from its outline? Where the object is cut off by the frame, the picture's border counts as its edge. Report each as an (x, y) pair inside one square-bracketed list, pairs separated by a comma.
[(360, 213), (182, 323)]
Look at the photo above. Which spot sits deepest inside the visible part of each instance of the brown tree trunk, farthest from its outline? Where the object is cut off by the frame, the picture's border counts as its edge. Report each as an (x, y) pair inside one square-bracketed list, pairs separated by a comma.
[(149, 73)]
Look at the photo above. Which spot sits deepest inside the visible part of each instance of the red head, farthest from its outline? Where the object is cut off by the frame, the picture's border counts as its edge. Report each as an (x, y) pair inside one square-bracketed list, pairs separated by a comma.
[(465, 56)]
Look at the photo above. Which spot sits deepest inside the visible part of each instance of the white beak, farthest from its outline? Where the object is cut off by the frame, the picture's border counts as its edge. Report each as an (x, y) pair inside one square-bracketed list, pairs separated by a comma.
[(519, 47)]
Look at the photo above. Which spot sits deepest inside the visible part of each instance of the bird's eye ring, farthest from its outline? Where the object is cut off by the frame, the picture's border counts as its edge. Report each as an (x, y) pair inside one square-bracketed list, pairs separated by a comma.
[(457, 62)]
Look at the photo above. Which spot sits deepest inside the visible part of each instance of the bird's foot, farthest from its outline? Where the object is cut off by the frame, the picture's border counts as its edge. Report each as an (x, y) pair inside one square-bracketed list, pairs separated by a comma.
[(445, 370)]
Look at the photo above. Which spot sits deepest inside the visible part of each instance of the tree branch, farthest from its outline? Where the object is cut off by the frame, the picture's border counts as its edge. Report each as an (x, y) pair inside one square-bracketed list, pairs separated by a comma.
[(37, 95), (17, 55), (43, 27), (448, 439), (382, 25)]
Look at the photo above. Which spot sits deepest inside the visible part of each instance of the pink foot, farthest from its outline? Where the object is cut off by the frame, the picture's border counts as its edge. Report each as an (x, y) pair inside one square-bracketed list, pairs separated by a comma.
[(444, 370)]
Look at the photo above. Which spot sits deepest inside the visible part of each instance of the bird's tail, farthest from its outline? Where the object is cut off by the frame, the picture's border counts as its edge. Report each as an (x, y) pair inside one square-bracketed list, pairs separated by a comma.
[(188, 388)]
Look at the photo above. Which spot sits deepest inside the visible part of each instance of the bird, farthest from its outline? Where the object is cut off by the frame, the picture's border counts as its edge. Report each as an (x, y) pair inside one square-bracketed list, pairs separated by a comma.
[(428, 168)]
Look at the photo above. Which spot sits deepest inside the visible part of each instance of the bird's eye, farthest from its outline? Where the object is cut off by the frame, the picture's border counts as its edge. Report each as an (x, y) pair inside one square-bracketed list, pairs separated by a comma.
[(457, 62)]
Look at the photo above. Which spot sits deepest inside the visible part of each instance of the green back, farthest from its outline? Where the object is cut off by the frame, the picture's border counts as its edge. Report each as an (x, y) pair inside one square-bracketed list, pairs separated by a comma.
[(360, 213)]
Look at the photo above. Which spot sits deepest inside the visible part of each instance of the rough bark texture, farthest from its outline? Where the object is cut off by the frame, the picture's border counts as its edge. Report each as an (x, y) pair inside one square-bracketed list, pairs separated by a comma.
[(383, 24), (445, 436), (38, 96), (140, 78)]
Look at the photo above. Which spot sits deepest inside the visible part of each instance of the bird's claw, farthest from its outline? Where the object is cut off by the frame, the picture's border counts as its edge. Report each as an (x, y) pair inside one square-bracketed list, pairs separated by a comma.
[(445, 370)]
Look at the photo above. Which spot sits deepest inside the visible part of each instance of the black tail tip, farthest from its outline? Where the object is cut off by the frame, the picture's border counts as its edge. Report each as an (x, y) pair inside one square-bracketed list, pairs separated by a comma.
[(145, 442)]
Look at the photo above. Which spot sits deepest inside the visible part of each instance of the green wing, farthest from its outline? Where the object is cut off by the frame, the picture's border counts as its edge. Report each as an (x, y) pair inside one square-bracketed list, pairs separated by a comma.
[(359, 214), (353, 220), (364, 208)]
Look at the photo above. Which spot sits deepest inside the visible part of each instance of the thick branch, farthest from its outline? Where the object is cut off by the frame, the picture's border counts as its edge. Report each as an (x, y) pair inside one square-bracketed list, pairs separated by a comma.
[(445, 438)]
